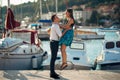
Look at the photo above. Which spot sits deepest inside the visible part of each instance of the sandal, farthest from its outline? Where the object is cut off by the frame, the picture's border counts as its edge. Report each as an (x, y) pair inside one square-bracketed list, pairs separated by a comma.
[(63, 66)]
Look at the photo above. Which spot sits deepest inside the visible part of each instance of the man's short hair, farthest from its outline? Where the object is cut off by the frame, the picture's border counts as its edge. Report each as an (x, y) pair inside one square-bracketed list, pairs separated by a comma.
[(53, 17)]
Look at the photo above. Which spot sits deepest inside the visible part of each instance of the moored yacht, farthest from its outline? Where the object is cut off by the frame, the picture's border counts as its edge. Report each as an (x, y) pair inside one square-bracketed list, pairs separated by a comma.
[(109, 57), (87, 35), (76, 57), (21, 51)]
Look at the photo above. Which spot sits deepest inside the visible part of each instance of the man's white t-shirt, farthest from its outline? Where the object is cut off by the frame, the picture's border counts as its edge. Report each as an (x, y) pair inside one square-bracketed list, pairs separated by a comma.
[(55, 32)]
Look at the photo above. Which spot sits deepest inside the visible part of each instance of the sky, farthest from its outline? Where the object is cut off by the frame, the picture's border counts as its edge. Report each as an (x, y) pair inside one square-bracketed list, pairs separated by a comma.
[(15, 2)]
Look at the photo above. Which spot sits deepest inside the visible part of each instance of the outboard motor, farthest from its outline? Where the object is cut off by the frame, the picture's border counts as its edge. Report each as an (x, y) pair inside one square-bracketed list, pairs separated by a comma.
[(34, 62)]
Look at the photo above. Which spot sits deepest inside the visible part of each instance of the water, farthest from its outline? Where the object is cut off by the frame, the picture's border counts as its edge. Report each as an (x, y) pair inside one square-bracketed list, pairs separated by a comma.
[(94, 47)]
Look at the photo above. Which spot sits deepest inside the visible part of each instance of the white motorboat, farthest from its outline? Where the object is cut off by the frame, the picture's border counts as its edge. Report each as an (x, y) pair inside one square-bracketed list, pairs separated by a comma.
[(21, 51), (87, 34), (76, 57), (42, 31), (109, 57)]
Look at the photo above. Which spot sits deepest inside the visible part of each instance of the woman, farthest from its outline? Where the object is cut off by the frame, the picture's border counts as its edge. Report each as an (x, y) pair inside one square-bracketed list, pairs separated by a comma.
[(67, 38)]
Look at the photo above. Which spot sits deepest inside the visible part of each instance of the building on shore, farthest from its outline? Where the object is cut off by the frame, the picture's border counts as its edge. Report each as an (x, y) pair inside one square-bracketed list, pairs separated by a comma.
[(78, 15)]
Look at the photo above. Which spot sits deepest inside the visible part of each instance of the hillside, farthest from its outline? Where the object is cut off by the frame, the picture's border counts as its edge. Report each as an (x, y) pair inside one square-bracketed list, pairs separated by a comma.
[(32, 9)]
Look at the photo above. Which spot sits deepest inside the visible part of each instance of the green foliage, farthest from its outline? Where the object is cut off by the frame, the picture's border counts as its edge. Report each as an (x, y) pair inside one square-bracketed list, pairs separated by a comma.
[(31, 9)]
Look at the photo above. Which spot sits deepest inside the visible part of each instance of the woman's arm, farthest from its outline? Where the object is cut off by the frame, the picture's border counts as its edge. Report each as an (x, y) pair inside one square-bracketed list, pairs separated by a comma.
[(65, 31), (67, 26)]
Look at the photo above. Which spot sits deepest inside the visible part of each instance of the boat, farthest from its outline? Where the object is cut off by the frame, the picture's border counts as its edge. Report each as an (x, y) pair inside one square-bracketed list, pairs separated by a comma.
[(21, 50), (87, 35), (90, 36), (45, 25), (109, 59), (108, 29), (42, 32), (76, 57)]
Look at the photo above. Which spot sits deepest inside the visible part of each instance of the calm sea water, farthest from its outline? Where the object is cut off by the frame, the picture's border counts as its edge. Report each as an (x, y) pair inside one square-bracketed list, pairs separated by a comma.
[(94, 47)]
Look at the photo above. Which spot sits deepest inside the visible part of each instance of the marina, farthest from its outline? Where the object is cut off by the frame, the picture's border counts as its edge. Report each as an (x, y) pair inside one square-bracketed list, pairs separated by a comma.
[(94, 53), (90, 49), (82, 53)]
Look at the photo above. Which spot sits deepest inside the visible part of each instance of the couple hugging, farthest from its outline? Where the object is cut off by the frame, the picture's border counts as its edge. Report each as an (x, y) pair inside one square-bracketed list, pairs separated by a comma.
[(58, 38)]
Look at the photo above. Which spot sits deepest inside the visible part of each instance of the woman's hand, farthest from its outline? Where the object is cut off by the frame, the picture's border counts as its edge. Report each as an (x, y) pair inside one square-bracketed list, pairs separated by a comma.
[(68, 25), (61, 26)]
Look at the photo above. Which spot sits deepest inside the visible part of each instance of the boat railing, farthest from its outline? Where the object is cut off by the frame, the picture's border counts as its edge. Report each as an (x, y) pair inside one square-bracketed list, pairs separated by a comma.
[(9, 49)]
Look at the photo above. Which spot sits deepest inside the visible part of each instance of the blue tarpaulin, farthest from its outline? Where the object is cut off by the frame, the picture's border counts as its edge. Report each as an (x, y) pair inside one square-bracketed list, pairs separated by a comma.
[(45, 21), (34, 25)]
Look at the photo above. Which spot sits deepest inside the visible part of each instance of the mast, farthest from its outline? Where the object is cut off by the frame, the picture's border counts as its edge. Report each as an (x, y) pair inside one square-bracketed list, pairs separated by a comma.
[(47, 5), (40, 8), (21, 11), (66, 2), (0, 11), (8, 3), (56, 5)]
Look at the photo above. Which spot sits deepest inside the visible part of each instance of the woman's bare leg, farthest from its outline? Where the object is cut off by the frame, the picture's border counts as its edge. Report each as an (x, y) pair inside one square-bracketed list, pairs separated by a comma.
[(64, 55)]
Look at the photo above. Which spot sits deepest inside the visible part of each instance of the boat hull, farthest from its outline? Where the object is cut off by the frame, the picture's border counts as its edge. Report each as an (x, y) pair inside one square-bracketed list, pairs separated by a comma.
[(110, 66), (20, 61), (109, 59)]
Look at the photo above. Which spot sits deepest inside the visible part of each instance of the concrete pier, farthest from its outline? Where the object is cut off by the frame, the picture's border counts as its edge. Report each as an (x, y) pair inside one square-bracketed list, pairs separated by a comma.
[(64, 75)]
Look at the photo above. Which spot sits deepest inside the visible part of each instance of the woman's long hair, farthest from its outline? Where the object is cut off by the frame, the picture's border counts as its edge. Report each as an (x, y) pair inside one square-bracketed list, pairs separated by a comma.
[(71, 13)]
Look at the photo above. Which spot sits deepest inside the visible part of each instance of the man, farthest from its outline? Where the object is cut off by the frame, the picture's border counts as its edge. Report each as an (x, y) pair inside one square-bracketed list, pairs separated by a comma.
[(55, 34)]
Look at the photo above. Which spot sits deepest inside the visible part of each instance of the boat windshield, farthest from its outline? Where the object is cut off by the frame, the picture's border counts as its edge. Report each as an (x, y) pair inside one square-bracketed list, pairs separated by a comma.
[(25, 36)]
